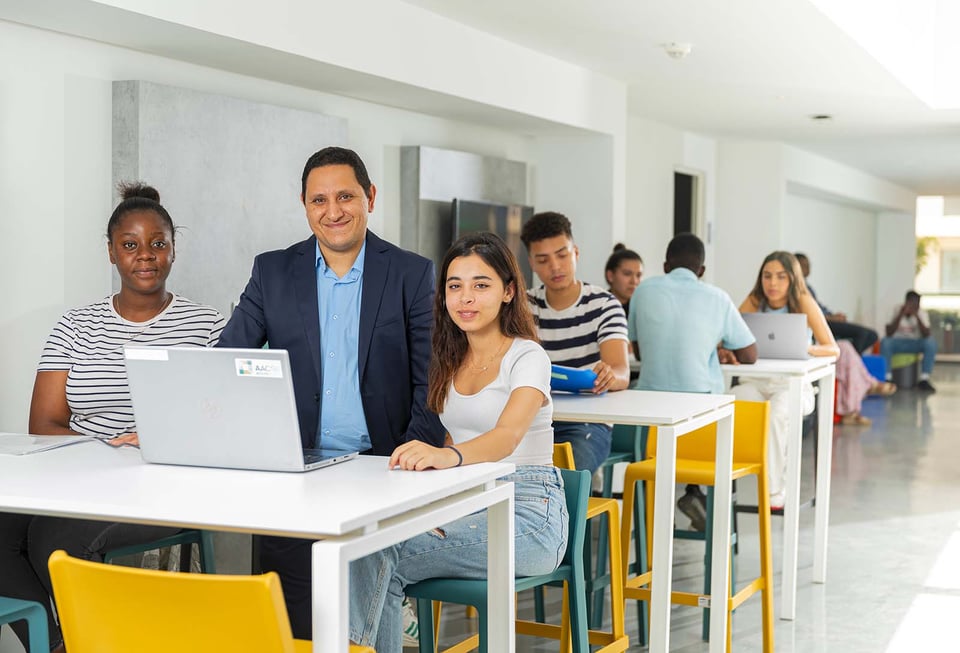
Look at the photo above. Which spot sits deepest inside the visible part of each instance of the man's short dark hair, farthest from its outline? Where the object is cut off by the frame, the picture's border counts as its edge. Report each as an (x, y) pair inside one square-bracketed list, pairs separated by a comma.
[(686, 251), (545, 225), (800, 256), (337, 156), (912, 294)]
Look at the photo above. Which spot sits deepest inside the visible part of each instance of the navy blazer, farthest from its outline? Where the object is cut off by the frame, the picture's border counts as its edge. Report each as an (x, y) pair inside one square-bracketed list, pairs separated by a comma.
[(279, 306)]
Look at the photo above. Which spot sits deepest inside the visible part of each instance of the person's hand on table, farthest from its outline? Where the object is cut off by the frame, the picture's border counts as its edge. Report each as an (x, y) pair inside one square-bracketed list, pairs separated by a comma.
[(605, 378), (417, 456), (726, 357), (131, 439)]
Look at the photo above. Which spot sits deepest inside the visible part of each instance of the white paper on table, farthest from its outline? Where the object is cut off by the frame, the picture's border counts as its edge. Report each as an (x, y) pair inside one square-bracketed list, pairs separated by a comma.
[(18, 444)]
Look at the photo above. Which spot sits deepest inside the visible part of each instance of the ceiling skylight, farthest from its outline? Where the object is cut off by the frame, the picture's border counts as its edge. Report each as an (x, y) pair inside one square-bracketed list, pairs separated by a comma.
[(913, 39)]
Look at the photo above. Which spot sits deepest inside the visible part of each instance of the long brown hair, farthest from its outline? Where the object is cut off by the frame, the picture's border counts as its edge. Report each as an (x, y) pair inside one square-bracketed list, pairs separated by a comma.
[(797, 288), (449, 341)]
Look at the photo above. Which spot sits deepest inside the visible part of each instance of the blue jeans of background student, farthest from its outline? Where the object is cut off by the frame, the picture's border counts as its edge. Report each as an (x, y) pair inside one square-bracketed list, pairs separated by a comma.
[(926, 346), (457, 550), (590, 442)]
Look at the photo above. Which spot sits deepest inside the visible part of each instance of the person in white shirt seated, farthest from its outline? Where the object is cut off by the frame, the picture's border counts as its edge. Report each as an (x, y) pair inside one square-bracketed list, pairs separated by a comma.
[(489, 381), (909, 332)]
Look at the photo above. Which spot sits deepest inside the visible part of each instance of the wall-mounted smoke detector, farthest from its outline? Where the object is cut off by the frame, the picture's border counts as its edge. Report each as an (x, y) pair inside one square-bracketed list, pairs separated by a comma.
[(677, 50)]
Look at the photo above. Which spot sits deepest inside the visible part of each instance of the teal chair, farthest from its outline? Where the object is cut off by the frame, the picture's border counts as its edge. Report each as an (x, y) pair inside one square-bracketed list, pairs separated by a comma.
[(185, 538), (33, 613), (627, 446), (474, 592)]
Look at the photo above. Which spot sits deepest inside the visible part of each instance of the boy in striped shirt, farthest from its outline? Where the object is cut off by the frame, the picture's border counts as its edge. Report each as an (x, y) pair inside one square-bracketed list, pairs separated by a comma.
[(580, 325)]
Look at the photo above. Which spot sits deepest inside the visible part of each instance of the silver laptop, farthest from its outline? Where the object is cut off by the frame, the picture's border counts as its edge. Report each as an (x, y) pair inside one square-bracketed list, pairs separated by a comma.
[(230, 408), (779, 335)]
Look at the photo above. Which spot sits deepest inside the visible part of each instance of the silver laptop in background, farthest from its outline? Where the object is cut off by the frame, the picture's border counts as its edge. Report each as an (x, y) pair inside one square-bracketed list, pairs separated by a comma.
[(231, 408), (780, 335)]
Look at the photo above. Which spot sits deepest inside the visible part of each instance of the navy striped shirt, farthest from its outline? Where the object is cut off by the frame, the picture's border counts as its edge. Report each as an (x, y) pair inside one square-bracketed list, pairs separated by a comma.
[(88, 343), (572, 336)]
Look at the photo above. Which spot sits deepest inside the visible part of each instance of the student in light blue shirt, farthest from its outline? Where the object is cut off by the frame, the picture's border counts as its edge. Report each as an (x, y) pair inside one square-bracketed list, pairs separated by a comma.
[(678, 322), (681, 327)]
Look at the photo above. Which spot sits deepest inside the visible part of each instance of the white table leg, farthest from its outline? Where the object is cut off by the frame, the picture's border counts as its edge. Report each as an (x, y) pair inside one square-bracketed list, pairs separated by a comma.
[(661, 584), (331, 597), (824, 466), (791, 506), (501, 596), (720, 576)]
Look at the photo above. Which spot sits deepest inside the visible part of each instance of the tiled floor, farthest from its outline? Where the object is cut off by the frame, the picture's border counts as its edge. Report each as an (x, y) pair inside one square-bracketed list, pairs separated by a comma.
[(894, 554), (893, 583)]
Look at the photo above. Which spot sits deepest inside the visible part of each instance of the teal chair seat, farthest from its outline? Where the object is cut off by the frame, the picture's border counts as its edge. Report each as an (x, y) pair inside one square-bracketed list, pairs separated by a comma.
[(474, 592), (36, 617)]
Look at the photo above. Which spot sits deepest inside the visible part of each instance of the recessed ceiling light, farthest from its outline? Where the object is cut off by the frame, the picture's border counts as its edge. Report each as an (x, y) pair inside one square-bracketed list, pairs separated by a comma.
[(821, 117), (677, 50)]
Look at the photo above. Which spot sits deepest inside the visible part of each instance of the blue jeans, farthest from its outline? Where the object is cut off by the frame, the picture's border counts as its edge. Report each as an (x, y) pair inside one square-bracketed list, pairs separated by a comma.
[(457, 550), (926, 346), (590, 442)]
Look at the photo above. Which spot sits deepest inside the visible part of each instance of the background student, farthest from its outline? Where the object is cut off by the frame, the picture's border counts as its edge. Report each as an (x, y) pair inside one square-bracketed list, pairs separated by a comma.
[(678, 323), (861, 337), (909, 332), (580, 325), (780, 289), (81, 388), (624, 272)]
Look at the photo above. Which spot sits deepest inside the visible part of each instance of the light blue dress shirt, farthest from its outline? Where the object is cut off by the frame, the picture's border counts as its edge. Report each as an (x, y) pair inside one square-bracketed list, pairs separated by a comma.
[(678, 321), (343, 424)]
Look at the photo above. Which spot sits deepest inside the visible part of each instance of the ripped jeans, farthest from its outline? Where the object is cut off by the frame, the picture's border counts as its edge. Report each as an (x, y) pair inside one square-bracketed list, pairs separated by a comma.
[(457, 550)]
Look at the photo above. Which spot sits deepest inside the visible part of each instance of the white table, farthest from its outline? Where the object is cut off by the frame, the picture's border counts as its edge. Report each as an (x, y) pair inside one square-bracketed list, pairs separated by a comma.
[(357, 507), (798, 372), (674, 414)]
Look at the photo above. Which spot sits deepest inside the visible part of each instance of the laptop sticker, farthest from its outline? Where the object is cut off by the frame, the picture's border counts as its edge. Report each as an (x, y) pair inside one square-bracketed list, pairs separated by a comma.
[(260, 367)]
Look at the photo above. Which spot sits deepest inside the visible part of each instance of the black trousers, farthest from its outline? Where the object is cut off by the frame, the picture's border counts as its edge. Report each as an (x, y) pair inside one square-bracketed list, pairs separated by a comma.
[(292, 559), (861, 337), (26, 543)]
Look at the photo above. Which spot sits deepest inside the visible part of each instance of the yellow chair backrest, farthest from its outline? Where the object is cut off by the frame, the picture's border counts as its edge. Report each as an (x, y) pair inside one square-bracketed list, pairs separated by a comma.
[(112, 609), (750, 420), (563, 455)]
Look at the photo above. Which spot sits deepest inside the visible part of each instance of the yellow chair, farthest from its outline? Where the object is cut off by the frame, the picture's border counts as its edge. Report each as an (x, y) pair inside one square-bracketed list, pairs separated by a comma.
[(695, 465), (111, 609), (615, 640)]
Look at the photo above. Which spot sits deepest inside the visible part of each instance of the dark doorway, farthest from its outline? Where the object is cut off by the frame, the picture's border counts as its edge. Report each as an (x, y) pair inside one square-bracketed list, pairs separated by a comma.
[(684, 203)]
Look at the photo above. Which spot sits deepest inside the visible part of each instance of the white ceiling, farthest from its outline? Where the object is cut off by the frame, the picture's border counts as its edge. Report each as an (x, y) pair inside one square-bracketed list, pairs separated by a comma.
[(758, 69)]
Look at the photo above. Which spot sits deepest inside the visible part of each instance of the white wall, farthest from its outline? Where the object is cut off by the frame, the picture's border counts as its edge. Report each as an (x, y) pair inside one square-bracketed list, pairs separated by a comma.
[(756, 183), (896, 255), (750, 195), (55, 161), (840, 241), (654, 152), (574, 176)]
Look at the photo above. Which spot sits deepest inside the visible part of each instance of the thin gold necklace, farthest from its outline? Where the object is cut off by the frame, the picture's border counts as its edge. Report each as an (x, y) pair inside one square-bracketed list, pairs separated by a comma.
[(145, 325), (483, 368)]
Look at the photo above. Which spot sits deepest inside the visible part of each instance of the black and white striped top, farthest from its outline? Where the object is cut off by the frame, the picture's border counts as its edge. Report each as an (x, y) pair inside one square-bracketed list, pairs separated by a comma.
[(88, 343), (572, 336)]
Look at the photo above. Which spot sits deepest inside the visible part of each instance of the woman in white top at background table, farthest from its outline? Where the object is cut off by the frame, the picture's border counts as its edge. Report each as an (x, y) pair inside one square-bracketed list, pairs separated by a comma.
[(780, 289)]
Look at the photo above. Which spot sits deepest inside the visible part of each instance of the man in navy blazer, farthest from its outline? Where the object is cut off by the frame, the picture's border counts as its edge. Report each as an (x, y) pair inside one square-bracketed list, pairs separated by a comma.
[(355, 314)]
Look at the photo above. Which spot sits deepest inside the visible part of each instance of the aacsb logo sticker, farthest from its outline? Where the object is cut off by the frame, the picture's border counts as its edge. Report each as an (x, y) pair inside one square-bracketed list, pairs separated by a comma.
[(259, 367)]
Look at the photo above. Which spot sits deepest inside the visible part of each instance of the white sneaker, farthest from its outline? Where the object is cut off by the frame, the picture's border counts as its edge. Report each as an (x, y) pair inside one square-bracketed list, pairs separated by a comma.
[(411, 625)]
